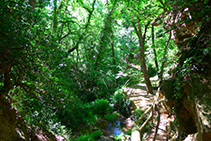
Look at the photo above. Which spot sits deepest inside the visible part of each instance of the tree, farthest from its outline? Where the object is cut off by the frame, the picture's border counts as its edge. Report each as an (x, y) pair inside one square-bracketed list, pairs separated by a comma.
[(140, 25), (141, 37), (106, 33)]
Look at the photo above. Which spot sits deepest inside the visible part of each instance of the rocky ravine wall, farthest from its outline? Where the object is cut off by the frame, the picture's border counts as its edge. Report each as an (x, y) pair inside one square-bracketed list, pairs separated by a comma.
[(188, 91)]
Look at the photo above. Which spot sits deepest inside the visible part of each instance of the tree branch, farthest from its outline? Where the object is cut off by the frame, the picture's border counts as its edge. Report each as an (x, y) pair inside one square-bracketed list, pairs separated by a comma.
[(64, 36), (90, 14), (134, 26), (85, 28), (81, 2), (145, 30)]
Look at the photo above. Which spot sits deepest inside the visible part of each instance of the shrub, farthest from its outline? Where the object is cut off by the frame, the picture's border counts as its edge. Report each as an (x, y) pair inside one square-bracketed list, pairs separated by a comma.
[(76, 113), (96, 135), (85, 137), (92, 137), (101, 106), (111, 117), (121, 104)]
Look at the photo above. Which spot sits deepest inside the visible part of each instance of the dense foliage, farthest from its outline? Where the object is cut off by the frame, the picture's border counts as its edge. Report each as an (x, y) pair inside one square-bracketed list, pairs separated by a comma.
[(63, 63)]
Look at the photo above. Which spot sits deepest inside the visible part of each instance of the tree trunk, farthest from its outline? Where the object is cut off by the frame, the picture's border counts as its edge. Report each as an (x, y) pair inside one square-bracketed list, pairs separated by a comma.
[(145, 73), (142, 55)]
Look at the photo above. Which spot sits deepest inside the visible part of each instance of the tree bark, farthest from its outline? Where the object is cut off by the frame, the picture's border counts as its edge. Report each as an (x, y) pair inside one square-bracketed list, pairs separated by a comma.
[(145, 73)]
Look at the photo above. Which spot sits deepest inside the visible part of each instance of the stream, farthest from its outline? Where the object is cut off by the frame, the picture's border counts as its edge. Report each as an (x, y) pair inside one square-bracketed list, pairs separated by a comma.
[(110, 129)]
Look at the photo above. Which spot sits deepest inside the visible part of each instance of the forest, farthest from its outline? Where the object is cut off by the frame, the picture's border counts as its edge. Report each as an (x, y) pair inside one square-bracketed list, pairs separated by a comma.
[(105, 70)]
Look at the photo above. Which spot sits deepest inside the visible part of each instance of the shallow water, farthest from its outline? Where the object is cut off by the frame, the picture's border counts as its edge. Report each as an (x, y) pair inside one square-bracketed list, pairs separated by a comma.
[(114, 128), (109, 129)]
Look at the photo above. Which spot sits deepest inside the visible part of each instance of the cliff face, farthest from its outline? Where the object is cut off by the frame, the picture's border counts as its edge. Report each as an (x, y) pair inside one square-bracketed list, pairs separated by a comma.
[(203, 105), (201, 79), (188, 91)]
